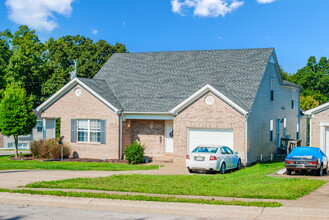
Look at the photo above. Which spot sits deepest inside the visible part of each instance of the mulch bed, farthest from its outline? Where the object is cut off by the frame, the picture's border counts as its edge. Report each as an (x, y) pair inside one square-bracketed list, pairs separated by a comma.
[(91, 160)]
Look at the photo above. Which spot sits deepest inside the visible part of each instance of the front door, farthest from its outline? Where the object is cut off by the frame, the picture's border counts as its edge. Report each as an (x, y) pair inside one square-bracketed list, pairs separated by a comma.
[(169, 133)]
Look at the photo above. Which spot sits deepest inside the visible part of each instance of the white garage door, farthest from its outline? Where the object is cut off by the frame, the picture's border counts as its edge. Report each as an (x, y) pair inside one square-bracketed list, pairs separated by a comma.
[(202, 136)]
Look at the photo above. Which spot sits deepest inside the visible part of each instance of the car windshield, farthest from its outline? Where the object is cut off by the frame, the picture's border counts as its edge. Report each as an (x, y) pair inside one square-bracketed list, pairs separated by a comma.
[(205, 150)]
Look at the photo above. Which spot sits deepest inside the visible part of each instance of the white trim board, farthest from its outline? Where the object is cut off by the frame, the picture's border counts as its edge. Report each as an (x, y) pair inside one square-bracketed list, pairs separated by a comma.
[(200, 93), (67, 88), (317, 109)]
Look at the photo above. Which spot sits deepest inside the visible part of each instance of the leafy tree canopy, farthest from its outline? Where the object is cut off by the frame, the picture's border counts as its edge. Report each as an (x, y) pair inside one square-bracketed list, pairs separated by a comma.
[(43, 68), (314, 77)]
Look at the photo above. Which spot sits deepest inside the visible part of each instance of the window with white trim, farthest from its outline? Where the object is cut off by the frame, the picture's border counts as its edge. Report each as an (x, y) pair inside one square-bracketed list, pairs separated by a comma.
[(89, 130), (39, 126), (272, 90), (293, 99), (271, 130)]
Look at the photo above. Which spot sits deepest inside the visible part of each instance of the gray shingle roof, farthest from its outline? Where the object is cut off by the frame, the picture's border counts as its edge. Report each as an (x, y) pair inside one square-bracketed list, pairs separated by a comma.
[(159, 81), (102, 88)]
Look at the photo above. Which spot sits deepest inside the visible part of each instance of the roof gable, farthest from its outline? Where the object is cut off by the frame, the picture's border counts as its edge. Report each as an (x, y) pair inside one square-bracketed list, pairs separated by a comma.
[(98, 88)]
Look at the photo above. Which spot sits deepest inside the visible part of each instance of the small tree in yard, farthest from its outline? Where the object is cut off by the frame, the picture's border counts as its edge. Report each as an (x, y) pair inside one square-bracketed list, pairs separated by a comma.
[(16, 113)]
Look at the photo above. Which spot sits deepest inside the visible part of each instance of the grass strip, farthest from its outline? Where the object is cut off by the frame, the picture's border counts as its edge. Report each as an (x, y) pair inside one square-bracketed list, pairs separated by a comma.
[(7, 164), (144, 198), (251, 182)]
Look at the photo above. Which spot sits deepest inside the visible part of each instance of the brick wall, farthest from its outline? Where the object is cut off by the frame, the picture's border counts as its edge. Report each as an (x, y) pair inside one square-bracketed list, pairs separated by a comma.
[(151, 134), (201, 115), (86, 106), (315, 127)]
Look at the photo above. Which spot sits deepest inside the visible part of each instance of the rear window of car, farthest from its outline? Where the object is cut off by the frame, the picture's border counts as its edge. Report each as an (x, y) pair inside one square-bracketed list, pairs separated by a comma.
[(205, 150)]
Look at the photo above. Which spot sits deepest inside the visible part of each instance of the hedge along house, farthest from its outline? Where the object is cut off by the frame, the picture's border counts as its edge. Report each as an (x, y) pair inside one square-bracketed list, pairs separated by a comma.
[(175, 101)]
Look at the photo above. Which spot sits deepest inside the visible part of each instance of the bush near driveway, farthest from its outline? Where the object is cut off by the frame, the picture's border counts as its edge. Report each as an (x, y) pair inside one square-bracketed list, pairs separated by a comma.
[(251, 182)]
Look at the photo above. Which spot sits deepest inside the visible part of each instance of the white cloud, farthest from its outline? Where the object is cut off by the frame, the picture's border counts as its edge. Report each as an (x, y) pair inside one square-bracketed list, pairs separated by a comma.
[(94, 31), (265, 1), (206, 8), (38, 14)]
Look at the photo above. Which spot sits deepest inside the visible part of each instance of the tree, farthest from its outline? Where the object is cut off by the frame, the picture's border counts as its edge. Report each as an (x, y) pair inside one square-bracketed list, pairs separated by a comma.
[(27, 61), (62, 52), (16, 113), (314, 78), (5, 55), (308, 102)]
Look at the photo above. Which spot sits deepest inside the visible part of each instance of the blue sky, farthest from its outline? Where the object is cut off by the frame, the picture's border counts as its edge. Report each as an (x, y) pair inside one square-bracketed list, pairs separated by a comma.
[(297, 29)]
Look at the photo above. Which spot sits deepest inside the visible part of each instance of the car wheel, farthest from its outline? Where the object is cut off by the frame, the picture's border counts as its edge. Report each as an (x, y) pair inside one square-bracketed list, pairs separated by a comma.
[(319, 172), (288, 171), (222, 168), (190, 171), (238, 166), (325, 171)]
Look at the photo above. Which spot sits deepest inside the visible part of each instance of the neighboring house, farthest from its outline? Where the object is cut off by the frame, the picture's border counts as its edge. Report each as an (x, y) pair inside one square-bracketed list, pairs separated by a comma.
[(319, 127), (44, 129), (175, 101)]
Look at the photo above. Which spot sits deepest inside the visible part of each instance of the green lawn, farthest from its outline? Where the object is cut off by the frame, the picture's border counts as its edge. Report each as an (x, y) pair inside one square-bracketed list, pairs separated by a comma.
[(145, 198), (251, 182), (7, 164)]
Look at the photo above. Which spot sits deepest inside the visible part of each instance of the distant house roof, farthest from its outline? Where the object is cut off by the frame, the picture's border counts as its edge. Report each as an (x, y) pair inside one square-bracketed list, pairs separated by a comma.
[(159, 81)]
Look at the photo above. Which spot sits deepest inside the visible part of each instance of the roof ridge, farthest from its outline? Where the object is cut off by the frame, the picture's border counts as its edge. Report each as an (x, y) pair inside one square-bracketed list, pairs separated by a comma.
[(173, 51)]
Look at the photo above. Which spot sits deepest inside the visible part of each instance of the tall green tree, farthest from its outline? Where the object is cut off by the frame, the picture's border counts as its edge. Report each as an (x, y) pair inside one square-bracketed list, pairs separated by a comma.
[(5, 54), (314, 78), (16, 113), (27, 61), (62, 52)]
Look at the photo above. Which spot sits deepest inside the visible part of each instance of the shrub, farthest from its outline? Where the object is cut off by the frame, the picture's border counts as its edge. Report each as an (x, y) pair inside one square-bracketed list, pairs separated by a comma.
[(135, 153), (48, 149)]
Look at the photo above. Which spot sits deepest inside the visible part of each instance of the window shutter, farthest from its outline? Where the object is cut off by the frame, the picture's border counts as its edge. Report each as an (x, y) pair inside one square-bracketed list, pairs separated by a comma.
[(73, 130), (103, 132)]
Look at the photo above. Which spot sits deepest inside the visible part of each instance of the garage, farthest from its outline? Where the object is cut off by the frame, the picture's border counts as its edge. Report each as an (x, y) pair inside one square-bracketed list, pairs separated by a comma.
[(202, 136)]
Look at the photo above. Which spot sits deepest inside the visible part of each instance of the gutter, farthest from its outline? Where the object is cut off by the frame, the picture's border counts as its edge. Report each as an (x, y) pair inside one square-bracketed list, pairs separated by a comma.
[(120, 135)]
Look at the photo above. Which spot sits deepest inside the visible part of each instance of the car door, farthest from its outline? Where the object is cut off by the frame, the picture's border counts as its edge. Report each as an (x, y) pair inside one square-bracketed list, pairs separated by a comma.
[(225, 157), (230, 156), (234, 157)]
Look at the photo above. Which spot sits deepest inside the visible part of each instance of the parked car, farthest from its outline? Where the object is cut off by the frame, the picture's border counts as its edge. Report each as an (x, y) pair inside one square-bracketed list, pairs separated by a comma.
[(212, 158), (302, 159)]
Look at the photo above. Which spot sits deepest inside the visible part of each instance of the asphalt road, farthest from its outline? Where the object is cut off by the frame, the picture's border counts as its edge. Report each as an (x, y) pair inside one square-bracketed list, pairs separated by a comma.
[(34, 212)]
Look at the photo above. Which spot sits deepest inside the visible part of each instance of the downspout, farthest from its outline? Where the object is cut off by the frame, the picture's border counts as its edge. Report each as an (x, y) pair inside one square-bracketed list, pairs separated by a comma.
[(246, 138), (120, 136)]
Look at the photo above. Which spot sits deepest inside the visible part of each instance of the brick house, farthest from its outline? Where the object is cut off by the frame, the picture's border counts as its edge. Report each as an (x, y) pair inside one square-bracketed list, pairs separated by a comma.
[(319, 127), (174, 101)]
